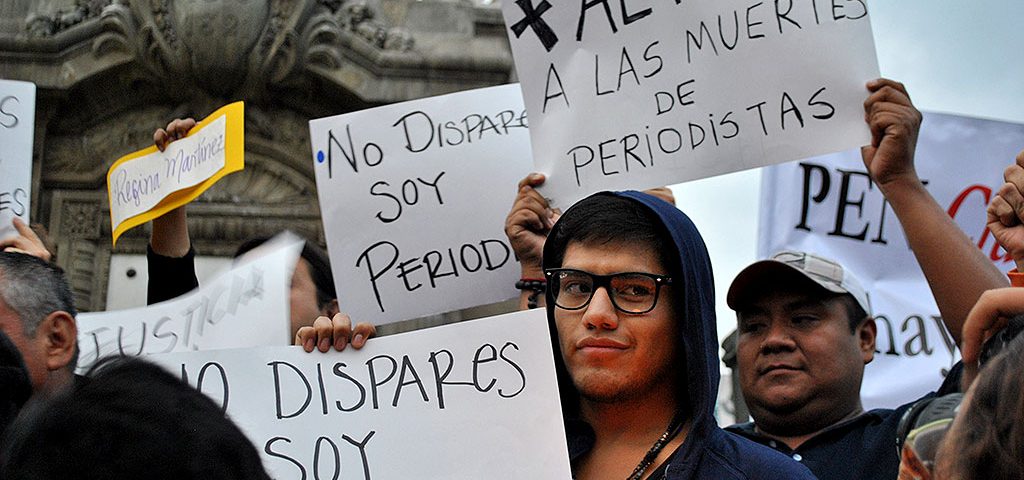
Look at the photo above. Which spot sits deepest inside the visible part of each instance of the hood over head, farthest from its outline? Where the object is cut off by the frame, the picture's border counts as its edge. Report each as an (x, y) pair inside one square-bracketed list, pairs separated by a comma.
[(692, 290)]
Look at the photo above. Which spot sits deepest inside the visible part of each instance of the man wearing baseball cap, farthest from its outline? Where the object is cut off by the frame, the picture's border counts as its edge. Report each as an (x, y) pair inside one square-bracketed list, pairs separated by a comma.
[(805, 334), (805, 330)]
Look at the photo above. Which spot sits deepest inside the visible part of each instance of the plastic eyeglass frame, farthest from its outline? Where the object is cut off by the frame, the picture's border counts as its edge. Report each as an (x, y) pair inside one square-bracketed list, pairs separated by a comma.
[(606, 282)]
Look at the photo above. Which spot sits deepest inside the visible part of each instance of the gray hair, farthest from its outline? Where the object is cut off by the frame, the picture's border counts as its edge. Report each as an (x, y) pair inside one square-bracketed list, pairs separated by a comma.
[(34, 289)]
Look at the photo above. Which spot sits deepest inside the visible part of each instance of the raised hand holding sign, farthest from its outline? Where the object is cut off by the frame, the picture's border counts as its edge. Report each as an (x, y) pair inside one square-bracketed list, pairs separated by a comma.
[(151, 182)]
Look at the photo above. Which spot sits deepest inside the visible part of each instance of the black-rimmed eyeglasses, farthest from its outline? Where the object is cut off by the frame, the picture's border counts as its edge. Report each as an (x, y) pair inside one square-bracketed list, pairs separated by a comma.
[(630, 292)]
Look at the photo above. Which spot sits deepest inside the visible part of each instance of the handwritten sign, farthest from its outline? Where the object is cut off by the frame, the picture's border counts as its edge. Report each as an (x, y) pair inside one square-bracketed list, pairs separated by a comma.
[(643, 93), (149, 183), (17, 127), (469, 400), (414, 198), (828, 205), (245, 307)]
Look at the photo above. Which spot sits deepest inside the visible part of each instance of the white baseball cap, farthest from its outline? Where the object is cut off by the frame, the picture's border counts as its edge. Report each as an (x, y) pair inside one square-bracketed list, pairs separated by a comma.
[(824, 272)]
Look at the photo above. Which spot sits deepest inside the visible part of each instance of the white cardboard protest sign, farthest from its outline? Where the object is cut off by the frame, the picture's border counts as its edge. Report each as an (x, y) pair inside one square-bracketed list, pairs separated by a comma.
[(414, 198), (17, 127), (644, 93), (469, 400), (828, 206), (246, 306)]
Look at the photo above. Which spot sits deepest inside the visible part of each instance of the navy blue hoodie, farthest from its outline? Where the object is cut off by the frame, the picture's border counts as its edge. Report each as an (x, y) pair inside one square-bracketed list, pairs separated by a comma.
[(708, 452)]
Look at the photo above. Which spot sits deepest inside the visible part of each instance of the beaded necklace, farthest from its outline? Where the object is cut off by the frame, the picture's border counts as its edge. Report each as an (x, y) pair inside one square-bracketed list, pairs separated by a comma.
[(673, 429)]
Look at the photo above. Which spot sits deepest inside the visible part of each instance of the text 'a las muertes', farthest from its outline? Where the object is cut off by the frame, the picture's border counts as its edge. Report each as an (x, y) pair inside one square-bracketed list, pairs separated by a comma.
[(639, 93)]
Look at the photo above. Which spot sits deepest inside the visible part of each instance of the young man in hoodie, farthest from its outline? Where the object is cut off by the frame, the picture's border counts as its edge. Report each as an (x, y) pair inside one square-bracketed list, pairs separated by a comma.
[(630, 303)]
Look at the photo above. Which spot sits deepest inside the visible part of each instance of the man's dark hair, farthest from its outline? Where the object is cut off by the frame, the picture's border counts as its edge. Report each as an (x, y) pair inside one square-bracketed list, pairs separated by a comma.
[(34, 289), (319, 268), (588, 224), (131, 419)]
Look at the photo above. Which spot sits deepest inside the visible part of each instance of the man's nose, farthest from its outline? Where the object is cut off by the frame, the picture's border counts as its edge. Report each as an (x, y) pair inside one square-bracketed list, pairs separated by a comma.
[(601, 313), (779, 338)]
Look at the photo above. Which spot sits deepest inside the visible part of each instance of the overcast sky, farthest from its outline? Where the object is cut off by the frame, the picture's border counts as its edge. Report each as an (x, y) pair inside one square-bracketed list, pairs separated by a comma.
[(955, 56)]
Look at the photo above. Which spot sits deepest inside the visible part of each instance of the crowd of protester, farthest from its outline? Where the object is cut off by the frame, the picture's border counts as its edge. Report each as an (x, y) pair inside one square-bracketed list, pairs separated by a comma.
[(627, 285)]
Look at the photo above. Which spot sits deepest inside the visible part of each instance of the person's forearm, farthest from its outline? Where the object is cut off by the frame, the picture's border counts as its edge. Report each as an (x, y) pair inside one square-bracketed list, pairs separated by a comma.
[(170, 234), (956, 270)]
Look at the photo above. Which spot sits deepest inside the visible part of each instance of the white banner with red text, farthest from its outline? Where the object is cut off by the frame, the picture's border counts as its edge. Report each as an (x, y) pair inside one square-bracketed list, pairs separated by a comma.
[(829, 206)]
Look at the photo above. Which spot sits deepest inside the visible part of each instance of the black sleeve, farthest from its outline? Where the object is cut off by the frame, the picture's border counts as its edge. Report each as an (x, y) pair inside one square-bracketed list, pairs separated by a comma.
[(15, 387), (170, 277)]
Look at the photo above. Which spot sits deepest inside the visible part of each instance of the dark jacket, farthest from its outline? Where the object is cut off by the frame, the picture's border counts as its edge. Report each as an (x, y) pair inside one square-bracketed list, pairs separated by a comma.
[(708, 452), (871, 435), (170, 277), (15, 387)]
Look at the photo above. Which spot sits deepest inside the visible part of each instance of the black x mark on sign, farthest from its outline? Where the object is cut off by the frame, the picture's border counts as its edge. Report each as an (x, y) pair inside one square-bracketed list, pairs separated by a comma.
[(533, 20)]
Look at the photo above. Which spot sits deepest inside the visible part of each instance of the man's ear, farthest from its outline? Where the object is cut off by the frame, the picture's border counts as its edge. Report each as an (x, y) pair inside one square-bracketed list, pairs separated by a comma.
[(331, 309), (60, 339), (866, 334)]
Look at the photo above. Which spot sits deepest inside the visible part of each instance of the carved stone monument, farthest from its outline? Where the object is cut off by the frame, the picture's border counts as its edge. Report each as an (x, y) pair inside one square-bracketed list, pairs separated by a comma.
[(111, 71)]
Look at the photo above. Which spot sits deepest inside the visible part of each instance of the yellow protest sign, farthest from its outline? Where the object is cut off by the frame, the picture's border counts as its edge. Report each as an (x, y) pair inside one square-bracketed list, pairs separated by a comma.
[(148, 183)]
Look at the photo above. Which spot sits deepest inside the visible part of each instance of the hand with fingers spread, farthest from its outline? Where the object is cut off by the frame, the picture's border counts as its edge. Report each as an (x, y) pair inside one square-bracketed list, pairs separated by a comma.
[(894, 124), (26, 242), (528, 224), (337, 331), (1006, 212)]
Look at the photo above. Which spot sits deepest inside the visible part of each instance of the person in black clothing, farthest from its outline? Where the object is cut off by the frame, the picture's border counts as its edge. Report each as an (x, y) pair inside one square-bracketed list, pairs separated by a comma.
[(805, 331), (15, 388), (132, 419)]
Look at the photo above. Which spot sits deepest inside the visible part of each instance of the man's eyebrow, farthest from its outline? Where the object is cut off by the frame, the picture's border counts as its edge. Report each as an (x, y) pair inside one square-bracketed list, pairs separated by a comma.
[(805, 303), (751, 309)]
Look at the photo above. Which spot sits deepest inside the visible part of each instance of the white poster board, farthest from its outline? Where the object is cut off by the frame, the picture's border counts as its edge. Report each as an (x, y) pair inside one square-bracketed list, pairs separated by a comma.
[(828, 206), (17, 127), (471, 400), (414, 198), (246, 306), (644, 93)]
